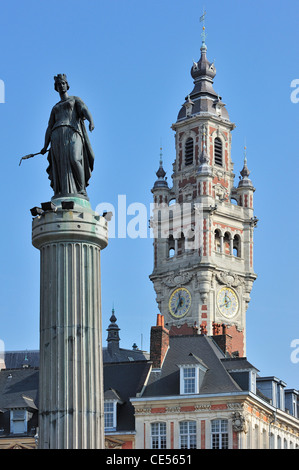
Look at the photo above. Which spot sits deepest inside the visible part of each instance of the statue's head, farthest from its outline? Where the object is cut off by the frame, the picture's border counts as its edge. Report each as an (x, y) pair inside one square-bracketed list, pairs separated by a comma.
[(61, 77)]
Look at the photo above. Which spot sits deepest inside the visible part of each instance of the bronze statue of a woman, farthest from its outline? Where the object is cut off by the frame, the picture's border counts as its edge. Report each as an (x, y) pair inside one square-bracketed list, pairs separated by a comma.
[(71, 158)]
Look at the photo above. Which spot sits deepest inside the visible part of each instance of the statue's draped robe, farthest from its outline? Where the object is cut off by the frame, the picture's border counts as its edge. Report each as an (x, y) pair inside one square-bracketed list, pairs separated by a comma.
[(70, 157)]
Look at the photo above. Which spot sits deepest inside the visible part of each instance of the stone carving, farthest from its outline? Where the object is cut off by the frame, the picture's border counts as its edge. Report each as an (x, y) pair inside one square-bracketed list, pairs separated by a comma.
[(70, 157), (229, 279), (177, 279), (203, 406), (239, 422), (173, 409), (235, 406), (142, 411), (220, 191)]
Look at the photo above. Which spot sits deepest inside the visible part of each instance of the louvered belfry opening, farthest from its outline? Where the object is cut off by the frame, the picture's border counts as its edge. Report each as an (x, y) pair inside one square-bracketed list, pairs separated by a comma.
[(218, 151), (189, 152)]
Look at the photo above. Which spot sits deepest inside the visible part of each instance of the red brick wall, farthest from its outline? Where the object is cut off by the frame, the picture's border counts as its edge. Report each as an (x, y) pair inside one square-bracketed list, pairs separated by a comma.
[(159, 342)]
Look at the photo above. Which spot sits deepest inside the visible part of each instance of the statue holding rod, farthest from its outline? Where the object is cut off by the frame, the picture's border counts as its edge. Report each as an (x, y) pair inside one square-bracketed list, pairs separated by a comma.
[(70, 156)]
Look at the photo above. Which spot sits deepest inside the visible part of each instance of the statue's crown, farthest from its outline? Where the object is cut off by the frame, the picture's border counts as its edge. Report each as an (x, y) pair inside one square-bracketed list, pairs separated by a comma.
[(60, 76)]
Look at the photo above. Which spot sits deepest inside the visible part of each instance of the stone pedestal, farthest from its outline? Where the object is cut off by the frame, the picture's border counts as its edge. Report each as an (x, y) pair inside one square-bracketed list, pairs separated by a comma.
[(71, 405)]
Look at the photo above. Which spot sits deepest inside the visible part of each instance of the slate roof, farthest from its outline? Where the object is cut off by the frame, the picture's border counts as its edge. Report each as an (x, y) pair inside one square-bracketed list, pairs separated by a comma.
[(30, 358), (19, 388), (124, 355), (125, 380), (167, 381), (237, 363), (203, 96), (19, 359)]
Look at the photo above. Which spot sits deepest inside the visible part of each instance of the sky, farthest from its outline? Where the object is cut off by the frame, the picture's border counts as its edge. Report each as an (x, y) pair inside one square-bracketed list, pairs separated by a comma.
[(130, 61)]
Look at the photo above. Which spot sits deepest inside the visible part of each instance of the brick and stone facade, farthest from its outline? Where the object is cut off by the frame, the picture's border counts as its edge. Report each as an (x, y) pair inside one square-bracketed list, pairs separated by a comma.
[(203, 224)]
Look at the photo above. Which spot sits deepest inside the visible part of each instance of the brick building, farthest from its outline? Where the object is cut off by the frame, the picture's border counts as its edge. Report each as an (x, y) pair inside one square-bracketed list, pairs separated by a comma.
[(199, 396)]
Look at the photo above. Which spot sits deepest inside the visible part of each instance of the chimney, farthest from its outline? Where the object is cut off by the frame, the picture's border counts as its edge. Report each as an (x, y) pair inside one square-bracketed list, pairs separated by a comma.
[(159, 342), (223, 339)]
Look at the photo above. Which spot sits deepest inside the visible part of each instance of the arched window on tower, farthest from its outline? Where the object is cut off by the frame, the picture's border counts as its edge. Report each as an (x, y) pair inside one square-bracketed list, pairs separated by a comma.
[(217, 241), (181, 244), (189, 151), (226, 243), (237, 246), (218, 151), (190, 239), (171, 247)]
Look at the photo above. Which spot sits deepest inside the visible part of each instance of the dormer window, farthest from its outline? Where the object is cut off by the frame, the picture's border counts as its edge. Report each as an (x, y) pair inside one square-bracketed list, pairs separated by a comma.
[(218, 151), (189, 380), (110, 415), (18, 421), (189, 151), (111, 401), (191, 377)]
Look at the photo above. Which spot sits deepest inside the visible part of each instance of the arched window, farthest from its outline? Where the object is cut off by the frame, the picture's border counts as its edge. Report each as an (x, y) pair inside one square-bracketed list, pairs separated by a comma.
[(217, 241), (189, 151), (226, 243), (190, 240), (218, 151), (181, 244), (171, 247), (237, 246)]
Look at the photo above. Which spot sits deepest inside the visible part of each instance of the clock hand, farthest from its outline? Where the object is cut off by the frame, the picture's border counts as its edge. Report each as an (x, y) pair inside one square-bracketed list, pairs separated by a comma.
[(178, 304)]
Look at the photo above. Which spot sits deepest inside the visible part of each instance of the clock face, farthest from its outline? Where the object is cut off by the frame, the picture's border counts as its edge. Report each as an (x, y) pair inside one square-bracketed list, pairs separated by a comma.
[(180, 302), (227, 302)]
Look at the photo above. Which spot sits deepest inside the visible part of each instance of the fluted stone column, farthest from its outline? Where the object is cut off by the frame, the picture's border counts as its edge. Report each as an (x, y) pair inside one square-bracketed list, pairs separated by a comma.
[(71, 405)]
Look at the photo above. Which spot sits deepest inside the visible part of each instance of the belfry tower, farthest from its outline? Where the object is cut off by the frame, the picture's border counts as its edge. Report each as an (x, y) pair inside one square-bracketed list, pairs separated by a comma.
[(203, 225)]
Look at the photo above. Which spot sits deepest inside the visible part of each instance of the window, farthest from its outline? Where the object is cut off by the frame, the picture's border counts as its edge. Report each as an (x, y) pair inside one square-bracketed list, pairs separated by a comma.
[(237, 246), (252, 381), (171, 247), (189, 376), (158, 435), (181, 244), (110, 415), (18, 421), (218, 151), (189, 152), (226, 243), (190, 240), (188, 434), (219, 432), (217, 241)]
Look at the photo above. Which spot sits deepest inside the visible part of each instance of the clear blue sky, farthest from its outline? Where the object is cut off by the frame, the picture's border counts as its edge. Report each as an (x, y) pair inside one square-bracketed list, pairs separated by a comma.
[(130, 61)]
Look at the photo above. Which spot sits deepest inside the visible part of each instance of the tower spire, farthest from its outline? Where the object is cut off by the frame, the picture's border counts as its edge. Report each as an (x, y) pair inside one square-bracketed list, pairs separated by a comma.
[(244, 179), (161, 173), (113, 335)]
